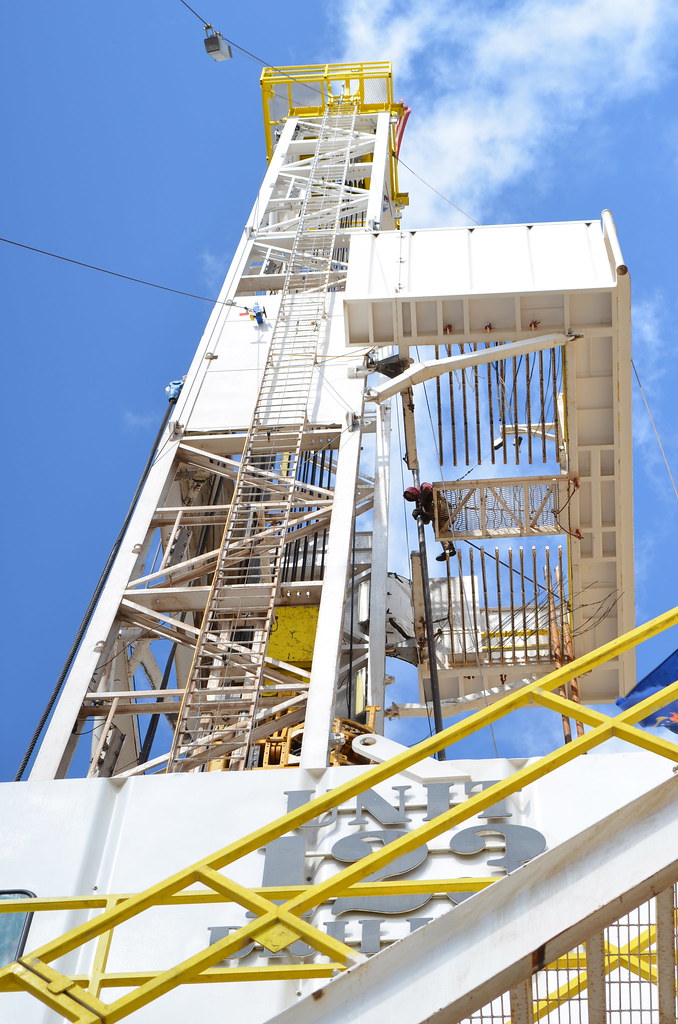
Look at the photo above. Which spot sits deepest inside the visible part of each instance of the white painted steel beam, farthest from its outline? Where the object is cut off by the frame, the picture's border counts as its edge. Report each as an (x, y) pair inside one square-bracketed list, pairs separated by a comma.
[(451, 706), (595, 977), (376, 196), (666, 957), (382, 478), (495, 941), (625, 564), (420, 372), (379, 749), (612, 243), (329, 633), (521, 1003)]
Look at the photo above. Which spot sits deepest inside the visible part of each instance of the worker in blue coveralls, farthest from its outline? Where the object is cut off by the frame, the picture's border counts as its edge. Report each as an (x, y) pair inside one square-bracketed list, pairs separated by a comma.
[(259, 314)]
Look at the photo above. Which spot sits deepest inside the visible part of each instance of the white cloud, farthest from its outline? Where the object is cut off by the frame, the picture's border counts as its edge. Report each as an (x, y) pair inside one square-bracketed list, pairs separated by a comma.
[(498, 91), (648, 338), (502, 86), (214, 266), (656, 519), (139, 421), (670, 142), (650, 333)]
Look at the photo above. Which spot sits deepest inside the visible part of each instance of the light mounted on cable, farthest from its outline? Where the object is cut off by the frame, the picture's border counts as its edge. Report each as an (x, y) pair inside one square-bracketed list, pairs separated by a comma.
[(216, 46)]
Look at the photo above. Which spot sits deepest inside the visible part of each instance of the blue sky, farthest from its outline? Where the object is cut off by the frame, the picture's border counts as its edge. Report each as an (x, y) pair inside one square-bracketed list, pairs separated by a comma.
[(128, 148)]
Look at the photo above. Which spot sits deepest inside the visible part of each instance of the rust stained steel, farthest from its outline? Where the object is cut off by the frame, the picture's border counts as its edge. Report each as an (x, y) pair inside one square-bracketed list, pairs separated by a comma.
[(528, 407), (462, 605), (536, 601), (515, 390), (556, 641), (547, 574), (464, 401), (476, 388), (450, 603), (554, 378), (523, 601), (501, 385), (488, 631), (512, 605), (490, 407), (568, 647), (542, 405), (514, 403), (560, 578), (453, 426), (439, 409), (500, 604), (474, 605)]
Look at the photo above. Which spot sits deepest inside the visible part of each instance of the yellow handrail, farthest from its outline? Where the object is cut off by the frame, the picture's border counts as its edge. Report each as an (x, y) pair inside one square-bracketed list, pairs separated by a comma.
[(276, 926), (306, 90)]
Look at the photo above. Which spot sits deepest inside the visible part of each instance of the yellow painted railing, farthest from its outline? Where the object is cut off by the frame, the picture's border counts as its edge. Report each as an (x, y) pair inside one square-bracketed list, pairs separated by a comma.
[(276, 926), (306, 90), (636, 957)]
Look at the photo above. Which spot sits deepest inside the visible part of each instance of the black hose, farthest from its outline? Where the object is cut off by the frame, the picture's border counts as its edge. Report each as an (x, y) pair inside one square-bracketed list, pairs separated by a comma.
[(94, 599)]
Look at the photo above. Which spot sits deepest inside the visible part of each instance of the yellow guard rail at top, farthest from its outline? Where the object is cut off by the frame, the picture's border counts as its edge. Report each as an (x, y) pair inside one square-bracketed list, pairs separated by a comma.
[(277, 925), (307, 90)]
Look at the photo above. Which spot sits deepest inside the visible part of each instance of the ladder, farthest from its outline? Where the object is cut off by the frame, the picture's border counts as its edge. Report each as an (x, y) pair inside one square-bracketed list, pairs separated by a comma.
[(222, 714)]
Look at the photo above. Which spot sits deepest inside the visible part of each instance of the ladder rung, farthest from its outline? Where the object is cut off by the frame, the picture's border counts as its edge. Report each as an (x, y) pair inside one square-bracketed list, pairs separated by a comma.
[(246, 582)]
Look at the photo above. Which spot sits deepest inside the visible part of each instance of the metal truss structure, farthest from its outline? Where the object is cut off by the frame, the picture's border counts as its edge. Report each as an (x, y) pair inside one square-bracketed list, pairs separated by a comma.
[(509, 407), (218, 717), (246, 617), (246, 509)]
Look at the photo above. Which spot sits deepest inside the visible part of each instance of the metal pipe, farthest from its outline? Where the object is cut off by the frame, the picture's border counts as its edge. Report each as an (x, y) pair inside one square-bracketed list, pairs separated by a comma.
[(419, 372), (428, 615)]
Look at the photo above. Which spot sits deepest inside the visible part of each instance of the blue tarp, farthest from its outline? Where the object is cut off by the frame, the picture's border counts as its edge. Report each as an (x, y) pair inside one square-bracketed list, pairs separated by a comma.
[(663, 675)]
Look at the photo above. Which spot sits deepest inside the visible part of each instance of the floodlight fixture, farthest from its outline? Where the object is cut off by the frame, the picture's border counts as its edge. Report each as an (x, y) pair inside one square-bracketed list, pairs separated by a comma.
[(216, 46)]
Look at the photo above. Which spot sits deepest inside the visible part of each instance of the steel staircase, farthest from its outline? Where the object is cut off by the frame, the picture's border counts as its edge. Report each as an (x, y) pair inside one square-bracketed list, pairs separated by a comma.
[(222, 712)]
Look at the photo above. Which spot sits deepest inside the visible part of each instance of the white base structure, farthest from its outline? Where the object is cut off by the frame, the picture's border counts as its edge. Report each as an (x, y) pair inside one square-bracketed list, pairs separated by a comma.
[(578, 859)]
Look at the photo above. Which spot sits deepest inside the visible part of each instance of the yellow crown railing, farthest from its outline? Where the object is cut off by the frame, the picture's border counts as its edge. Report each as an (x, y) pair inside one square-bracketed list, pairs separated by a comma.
[(306, 90)]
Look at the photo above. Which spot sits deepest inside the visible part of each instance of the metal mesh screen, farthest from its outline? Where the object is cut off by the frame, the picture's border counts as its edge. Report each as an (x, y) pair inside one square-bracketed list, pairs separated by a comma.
[(376, 90), (620, 987), (304, 95), (279, 103), (497, 509)]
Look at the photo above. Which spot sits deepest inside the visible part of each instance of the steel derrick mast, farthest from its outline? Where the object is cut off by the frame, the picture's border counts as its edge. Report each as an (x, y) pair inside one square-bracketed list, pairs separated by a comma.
[(251, 593), (251, 501)]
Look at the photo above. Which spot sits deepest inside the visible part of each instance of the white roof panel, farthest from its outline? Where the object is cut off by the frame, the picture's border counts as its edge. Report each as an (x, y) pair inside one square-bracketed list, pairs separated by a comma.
[(504, 258)]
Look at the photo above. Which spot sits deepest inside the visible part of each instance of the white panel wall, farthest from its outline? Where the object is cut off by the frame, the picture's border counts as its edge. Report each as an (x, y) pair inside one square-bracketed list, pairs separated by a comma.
[(75, 837), (498, 259)]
